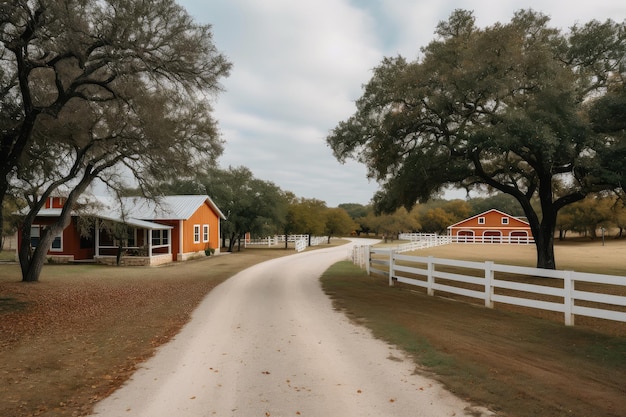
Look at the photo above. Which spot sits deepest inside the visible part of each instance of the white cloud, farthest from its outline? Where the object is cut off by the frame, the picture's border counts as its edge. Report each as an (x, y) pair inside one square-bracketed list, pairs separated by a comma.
[(299, 67)]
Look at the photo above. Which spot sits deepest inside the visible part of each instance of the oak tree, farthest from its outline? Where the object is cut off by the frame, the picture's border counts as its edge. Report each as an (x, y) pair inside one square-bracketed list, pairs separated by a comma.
[(502, 108), (106, 89), (338, 223)]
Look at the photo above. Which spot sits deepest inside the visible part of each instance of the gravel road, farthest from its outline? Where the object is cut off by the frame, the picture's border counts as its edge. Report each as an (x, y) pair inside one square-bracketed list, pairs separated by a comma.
[(267, 342)]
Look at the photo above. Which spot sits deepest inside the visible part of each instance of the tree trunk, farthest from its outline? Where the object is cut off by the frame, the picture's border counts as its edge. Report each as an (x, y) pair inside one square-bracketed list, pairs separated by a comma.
[(544, 234), (31, 263), (4, 184), (543, 231), (545, 248), (231, 242), (118, 256)]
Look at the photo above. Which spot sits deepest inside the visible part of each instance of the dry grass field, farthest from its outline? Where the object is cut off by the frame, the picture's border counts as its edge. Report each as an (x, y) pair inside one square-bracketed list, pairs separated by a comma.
[(578, 255), (516, 363), (75, 336), (78, 334)]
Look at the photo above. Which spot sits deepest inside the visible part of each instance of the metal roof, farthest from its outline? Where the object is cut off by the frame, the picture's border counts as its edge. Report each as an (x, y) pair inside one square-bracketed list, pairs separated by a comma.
[(171, 207), (140, 211), (137, 223)]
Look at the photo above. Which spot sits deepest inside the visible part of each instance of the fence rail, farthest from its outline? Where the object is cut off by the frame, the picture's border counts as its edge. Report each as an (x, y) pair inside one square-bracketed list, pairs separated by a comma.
[(300, 241), (569, 292), (421, 237)]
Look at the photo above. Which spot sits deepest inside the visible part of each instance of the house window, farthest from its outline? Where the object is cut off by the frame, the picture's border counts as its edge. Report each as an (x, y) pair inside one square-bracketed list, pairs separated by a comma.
[(160, 237), (505, 220), (481, 220), (35, 237), (57, 244), (131, 234), (35, 234), (205, 233), (130, 240), (196, 233)]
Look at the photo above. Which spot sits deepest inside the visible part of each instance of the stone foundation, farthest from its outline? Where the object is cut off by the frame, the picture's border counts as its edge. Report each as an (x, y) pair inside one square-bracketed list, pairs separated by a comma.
[(190, 255), (135, 260), (59, 259)]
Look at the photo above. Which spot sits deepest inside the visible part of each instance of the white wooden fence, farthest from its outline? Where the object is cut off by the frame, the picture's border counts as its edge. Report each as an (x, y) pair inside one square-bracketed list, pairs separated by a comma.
[(264, 241), (421, 237), (300, 241), (568, 292)]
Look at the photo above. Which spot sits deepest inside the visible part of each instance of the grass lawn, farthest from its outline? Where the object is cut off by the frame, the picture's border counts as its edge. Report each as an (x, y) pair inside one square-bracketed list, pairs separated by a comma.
[(515, 364), (74, 337)]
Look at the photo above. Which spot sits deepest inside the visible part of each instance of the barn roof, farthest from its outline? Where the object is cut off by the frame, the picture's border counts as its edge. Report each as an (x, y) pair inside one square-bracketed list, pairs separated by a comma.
[(489, 211)]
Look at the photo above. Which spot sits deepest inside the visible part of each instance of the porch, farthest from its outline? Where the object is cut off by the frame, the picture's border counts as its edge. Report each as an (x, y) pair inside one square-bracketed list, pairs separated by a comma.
[(138, 243)]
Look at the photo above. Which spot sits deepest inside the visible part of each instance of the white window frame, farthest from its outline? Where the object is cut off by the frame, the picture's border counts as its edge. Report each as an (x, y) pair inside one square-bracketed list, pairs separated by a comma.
[(37, 229), (205, 233), (58, 238), (481, 220), (505, 220), (196, 233), (162, 238)]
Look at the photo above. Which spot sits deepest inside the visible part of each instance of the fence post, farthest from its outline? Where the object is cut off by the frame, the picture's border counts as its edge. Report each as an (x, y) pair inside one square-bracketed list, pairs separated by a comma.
[(489, 275), (431, 275), (367, 250), (568, 298), (391, 253)]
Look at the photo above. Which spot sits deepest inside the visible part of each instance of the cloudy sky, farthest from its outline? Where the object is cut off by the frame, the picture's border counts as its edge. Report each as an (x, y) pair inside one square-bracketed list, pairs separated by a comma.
[(298, 67)]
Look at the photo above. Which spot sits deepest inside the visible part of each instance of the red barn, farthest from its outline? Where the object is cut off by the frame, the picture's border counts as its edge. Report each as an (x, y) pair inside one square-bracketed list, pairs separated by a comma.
[(492, 226)]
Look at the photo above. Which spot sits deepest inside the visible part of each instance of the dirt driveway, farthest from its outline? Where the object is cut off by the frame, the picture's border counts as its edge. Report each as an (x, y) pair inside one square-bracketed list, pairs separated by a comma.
[(267, 342)]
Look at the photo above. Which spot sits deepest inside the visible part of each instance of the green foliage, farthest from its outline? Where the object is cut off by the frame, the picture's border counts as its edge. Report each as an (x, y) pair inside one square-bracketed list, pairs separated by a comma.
[(500, 201), (307, 216), (10, 209), (339, 223), (608, 117), (392, 224), (355, 210), (586, 217), (250, 204)]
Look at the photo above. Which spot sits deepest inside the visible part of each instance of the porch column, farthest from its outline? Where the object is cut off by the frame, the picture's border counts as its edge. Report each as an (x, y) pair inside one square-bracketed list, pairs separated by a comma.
[(149, 243), (180, 240), (97, 237)]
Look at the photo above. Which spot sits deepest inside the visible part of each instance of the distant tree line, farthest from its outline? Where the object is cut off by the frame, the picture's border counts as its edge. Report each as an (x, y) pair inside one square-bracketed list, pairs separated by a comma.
[(259, 207), (585, 218)]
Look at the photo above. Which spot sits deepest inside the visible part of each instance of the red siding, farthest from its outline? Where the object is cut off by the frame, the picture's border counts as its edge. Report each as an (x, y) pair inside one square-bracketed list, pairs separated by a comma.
[(491, 223)]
